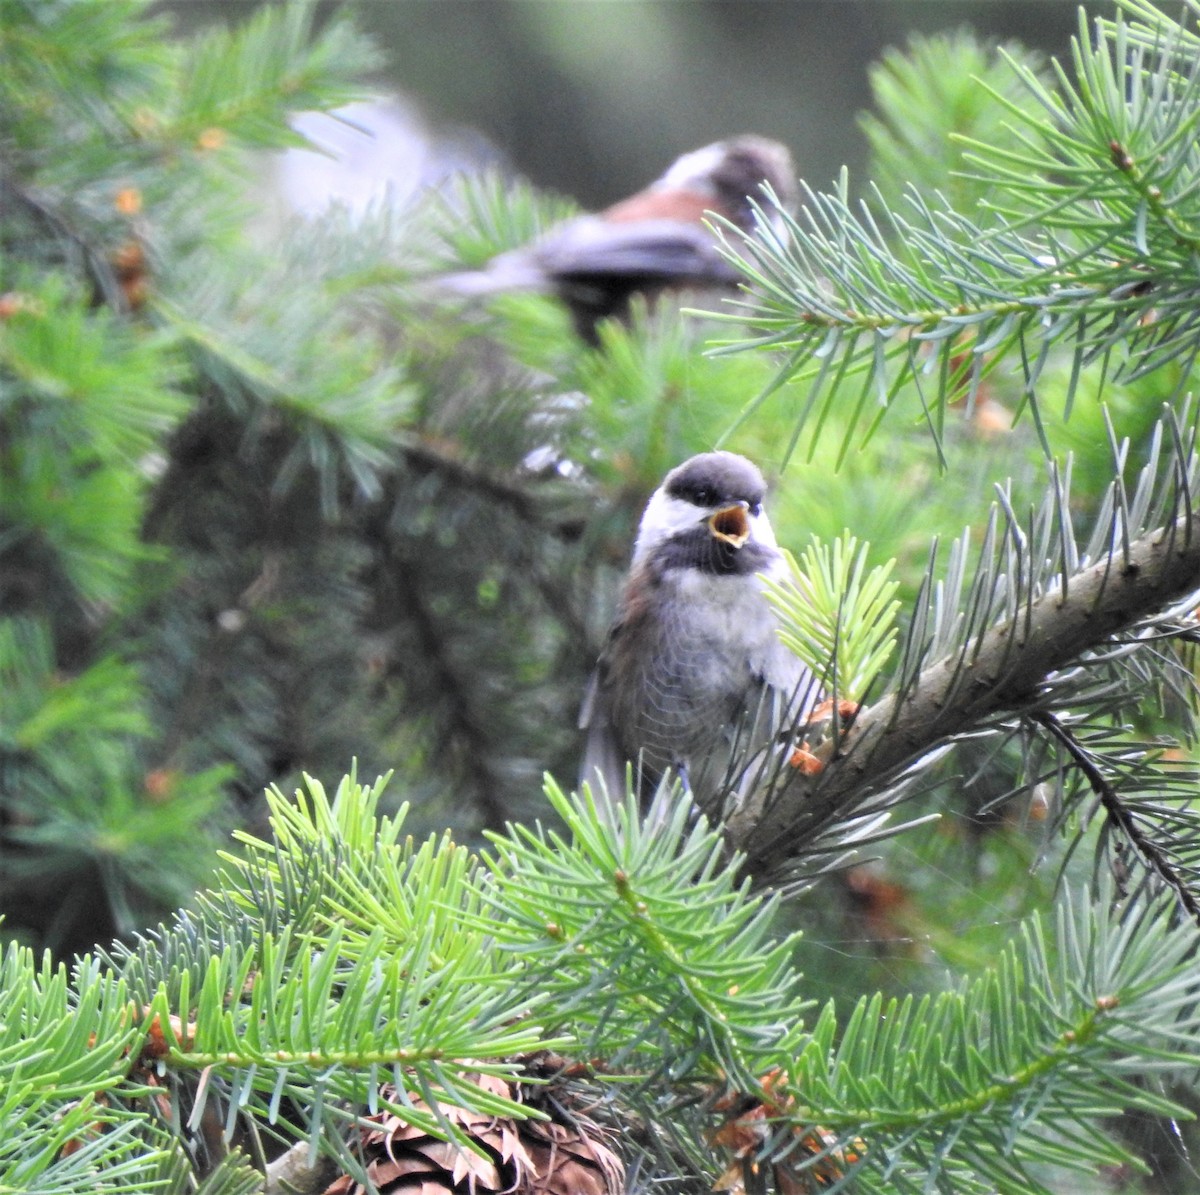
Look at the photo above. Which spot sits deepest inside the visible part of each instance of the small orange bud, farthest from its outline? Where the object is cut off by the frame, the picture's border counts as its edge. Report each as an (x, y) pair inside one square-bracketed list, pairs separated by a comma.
[(128, 258), (992, 418), (1039, 806), (160, 783), (156, 1040), (129, 264), (806, 761), (128, 201), (846, 711), (212, 138)]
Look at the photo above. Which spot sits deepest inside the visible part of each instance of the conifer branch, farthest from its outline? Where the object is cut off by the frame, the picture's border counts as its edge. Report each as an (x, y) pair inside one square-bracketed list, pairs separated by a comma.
[(448, 462), (1084, 249), (297, 1172), (1153, 855), (462, 736), (1004, 671)]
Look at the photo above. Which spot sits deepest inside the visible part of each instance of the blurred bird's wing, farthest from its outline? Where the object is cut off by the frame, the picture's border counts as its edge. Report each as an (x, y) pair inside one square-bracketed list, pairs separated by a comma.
[(603, 767), (660, 250)]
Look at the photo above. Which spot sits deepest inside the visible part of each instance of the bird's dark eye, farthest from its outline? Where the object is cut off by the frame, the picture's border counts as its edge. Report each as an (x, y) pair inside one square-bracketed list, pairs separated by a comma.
[(705, 496), (755, 509)]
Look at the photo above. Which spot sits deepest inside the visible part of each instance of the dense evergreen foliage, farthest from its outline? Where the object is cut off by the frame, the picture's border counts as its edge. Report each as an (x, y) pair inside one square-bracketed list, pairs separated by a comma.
[(270, 502)]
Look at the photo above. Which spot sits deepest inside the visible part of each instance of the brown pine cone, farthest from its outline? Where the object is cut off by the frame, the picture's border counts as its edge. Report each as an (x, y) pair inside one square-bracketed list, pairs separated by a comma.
[(565, 1155)]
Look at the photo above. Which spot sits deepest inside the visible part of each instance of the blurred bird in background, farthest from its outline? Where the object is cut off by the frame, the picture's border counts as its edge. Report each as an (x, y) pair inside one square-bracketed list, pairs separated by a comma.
[(653, 241), (694, 678)]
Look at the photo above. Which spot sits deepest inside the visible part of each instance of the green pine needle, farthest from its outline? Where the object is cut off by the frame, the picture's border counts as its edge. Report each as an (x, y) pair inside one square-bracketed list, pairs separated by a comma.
[(839, 618)]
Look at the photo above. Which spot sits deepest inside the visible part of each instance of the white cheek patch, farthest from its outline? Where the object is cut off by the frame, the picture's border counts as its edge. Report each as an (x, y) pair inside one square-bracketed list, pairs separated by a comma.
[(665, 516), (693, 171)]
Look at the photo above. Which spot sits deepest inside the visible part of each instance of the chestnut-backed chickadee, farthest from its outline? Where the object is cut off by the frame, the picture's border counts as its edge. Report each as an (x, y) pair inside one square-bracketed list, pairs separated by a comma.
[(694, 676), (652, 241)]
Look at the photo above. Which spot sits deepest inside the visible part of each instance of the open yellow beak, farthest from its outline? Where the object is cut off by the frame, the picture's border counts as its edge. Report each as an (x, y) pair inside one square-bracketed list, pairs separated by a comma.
[(732, 525)]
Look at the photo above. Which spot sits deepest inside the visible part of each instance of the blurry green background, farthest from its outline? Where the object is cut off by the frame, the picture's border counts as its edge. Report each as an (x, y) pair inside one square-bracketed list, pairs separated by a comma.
[(593, 98)]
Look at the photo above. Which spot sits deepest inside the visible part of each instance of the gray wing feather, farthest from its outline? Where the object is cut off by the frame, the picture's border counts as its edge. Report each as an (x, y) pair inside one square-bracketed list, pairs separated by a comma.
[(603, 767), (671, 250)]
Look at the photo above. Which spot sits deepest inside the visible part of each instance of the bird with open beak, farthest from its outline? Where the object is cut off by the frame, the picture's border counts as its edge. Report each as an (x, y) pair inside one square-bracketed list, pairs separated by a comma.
[(693, 677), (656, 240)]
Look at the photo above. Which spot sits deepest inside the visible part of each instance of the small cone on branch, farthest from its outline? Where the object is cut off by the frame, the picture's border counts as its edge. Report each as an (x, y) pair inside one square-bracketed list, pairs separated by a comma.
[(565, 1155)]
